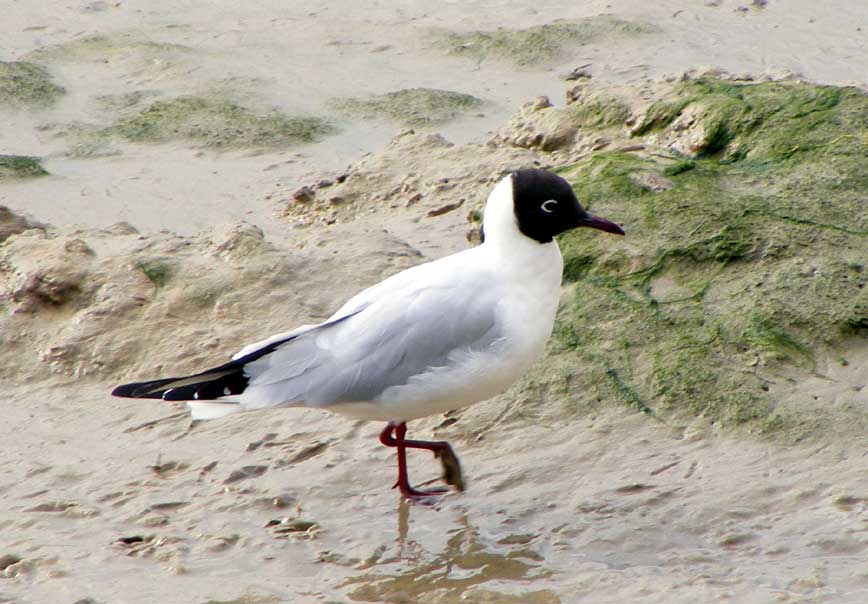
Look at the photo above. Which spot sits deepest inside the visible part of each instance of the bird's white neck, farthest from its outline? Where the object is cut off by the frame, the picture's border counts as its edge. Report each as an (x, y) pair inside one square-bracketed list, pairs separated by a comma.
[(509, 247), (498, 220)]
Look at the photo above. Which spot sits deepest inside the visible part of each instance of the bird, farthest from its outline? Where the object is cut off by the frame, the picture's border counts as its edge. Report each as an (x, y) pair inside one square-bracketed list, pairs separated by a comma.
[(432, 338)]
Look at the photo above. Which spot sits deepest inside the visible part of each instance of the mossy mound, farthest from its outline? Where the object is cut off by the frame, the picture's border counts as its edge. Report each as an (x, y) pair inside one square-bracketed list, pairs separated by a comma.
[(752, 264), (539, 44), (217, 123), (20, 166), (102, 47), (24, 84), (771, 121), (598, 112), (411, 106)]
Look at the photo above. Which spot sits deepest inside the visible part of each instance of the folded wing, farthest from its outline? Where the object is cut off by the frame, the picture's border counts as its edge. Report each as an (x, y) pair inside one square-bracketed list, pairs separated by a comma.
[(389, 342)]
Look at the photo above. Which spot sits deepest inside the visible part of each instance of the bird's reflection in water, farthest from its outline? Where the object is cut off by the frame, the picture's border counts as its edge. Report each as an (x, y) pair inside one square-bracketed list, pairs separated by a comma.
[(469, 568)]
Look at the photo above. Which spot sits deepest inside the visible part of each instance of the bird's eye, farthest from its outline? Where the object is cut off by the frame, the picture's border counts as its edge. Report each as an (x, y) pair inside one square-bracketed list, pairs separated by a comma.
[(548, 209)]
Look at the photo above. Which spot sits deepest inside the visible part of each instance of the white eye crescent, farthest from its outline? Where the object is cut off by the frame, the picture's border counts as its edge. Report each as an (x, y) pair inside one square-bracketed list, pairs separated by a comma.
[(546, 209)]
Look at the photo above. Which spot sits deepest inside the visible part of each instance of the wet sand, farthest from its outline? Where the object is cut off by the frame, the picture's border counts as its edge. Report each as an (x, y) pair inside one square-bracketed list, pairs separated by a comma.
[(119, 507)]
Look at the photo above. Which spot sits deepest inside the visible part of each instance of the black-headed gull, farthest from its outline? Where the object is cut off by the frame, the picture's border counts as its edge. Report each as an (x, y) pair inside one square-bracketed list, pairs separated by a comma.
[(435, 337)]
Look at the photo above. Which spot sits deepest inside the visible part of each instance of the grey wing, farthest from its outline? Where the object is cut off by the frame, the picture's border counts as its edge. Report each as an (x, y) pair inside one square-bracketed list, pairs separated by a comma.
[(384, 345)]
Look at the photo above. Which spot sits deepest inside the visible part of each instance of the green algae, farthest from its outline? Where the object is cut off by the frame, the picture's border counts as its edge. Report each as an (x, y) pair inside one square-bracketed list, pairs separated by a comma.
[(411, 106), (764, 122), (216, 123), (679, 166), (599, 112), (24, 84), (105, 47), (212, 122), (538, 44), (20, 166), (751, 265), (84, 140), (660, 114), (627, 393), (159, 271)]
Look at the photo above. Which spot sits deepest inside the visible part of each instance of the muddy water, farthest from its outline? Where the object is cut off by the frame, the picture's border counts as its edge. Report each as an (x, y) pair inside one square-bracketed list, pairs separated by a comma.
[(123, 502), (131, 505)]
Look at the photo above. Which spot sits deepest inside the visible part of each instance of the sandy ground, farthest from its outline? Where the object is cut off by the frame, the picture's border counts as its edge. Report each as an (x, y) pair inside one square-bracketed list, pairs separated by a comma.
[(606, 509), (110, 501)]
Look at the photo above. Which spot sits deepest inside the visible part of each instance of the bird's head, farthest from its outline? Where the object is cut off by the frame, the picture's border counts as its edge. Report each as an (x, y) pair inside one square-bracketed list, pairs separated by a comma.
[(540, 205)]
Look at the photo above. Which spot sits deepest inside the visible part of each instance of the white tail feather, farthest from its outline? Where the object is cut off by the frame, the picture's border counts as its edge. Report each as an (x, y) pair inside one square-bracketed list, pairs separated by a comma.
[(212, 409)]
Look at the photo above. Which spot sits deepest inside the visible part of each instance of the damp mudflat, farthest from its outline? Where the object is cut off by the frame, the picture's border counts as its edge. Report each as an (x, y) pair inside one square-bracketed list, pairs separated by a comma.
[(127, 504), (182, 179)]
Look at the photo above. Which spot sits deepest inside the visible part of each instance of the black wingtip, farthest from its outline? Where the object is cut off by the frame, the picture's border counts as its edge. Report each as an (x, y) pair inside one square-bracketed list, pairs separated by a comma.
[(208, 385), (124, 390), (150, 389), (223, 383), (229, 378)]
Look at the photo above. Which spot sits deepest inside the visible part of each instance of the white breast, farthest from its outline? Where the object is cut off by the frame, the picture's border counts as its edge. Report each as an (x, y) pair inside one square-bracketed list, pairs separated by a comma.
[(524, 278), (528, 294)]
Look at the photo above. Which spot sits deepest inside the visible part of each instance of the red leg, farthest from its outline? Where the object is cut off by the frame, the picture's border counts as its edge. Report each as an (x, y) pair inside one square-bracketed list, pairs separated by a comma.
[(442, 450)]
